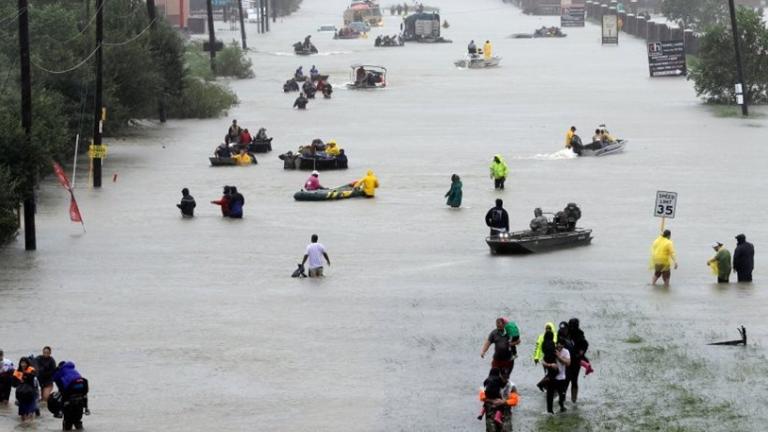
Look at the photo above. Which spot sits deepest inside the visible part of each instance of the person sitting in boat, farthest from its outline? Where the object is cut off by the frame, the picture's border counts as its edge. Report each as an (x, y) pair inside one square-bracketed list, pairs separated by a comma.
[(597, 137), (605, 136), (332, 149), (313, 72), (301, 102), (233, 133), (539, 224), (299, 74), (569, 136), (223, 151), (472, 49), (318, 146), (243, 158), (313, 182), (245, 137), (309, 89), (372, 78), (308, 42), (377, 42), (368, 184), (261, 135), (360, 75), (327, 90)]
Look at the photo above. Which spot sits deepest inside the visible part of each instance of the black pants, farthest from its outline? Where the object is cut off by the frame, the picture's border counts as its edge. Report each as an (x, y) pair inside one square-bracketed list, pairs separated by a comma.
[(498, 183), (555, 386), (744, 277), (73, 416)]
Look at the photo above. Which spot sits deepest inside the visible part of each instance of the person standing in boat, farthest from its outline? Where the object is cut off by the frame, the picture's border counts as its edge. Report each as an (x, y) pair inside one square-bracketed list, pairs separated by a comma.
[(472, 48), (497, 219), (662, 258), (499, 170), (455, 193), (187, 204), (743, 259), (233, 134)]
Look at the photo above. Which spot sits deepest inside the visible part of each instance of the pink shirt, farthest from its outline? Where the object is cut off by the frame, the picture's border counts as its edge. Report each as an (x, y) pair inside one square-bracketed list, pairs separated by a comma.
[(313, 183)]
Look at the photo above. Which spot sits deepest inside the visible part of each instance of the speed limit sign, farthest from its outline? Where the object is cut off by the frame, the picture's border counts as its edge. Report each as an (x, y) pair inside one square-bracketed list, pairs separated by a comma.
[(666, 204)]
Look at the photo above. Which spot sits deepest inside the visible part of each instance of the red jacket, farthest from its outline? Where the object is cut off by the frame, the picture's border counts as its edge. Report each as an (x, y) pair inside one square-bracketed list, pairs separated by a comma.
[(224, 203), (245, 138)]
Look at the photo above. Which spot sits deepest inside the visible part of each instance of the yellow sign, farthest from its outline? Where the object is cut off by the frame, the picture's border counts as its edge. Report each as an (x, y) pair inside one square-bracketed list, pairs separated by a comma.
[(97, 152)]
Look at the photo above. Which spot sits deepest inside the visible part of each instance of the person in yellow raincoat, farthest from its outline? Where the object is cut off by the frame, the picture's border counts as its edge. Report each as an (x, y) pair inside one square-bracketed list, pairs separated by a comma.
[(369, 183), (662, 258), (537, 352), (487, 50), (499, 170), (243, 158), (331, 149), (569, 136)]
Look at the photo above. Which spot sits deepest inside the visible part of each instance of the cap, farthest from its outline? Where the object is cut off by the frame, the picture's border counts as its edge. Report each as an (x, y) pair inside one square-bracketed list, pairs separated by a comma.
[(716, 244), (314, 173)]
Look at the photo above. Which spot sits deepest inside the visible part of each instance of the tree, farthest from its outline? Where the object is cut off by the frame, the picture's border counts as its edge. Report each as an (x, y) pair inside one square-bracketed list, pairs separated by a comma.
[(714, 74), (695, 14)]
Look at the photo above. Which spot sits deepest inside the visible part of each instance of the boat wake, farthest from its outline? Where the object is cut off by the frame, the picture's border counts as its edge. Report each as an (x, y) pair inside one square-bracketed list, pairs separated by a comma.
[(558, 155), (291, 54)]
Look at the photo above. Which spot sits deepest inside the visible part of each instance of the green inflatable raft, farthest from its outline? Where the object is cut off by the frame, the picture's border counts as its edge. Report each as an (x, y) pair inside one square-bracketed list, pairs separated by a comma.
[(338, 193)]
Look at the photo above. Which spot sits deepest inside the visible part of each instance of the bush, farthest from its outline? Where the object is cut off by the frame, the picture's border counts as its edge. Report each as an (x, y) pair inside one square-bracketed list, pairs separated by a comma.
[(9, 225), (233, 62), (202, 99)]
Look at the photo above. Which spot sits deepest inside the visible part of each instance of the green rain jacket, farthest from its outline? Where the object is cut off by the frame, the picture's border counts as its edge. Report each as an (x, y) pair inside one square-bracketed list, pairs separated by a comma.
[(537, 353), (499, 170)]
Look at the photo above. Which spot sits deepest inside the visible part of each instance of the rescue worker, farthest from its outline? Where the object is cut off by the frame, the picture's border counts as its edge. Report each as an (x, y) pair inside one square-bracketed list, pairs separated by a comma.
[(721, 263), (301, 102), (487, 50), (313, 182), (369, 183), (569, 136), (245, 138), (331, 149), (236, 203), (454, 194), (73, 389), (662, 258), (499, 170), (243, 158), (187, 204), (472, 48), (497, 219), (743, 259), (233, 133), (539, 224), (538, 353), (224, 201)]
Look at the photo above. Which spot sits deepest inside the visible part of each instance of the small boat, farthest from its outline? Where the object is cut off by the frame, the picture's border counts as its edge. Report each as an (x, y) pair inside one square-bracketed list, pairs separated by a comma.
[(260, 146), (526, 242), (319, 77), (219, 161), (300, 49), (478, 62), (341, 192), (367, 77), (388, 42), (317, 162), (601, 149)]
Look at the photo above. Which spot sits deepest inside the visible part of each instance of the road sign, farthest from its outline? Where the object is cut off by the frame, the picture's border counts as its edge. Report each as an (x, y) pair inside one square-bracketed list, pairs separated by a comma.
[(572, 13), (667, 58), (666, 204), (610, 29), (97, 152)]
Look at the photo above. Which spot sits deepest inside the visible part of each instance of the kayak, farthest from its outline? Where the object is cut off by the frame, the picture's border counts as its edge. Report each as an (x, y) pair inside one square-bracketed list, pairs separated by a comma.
[(338, 193), (526, 242)]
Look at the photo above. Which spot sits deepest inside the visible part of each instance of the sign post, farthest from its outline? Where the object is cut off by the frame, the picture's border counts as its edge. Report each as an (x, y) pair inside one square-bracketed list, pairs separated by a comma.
[(610, 29), (666, 206), (667, 58)]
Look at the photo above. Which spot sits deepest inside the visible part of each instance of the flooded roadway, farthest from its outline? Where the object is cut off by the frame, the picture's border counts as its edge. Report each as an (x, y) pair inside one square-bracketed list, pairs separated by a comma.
[(195, 325)]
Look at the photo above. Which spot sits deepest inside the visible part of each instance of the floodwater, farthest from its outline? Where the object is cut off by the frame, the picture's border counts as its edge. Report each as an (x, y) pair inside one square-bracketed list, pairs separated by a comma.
[(196, 325)]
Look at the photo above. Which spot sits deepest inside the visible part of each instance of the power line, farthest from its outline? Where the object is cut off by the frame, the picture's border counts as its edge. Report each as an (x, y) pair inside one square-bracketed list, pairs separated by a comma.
[(14, 17), (133, 38), (81, 32), (75, 67)]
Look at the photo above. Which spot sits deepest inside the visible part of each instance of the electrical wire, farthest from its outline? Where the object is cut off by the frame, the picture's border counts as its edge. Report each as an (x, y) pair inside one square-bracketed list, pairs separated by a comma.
[(133, 38), (14, 17), (75, 67)]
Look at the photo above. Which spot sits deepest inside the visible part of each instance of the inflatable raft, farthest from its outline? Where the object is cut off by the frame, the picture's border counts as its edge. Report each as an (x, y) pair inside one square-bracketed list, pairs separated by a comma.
[(339, 193)]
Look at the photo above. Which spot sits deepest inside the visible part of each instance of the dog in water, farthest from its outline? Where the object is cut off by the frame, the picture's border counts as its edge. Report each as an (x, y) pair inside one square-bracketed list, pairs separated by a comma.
[(299, 272)]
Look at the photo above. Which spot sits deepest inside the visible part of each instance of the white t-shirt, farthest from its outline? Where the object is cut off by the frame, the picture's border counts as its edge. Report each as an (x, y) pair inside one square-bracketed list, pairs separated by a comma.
[(561, 366), (315, 252)]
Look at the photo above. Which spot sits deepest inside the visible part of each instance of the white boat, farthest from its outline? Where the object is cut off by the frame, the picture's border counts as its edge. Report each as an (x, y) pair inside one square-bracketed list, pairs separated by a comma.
[(478, 62)]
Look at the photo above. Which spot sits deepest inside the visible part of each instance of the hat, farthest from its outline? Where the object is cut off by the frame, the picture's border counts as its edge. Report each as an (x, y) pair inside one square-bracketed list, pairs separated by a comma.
[(716, 244), (315, 173)]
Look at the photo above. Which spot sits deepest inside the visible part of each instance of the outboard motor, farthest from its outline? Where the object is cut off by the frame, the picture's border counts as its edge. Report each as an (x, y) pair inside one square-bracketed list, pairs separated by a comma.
[(572, 214)]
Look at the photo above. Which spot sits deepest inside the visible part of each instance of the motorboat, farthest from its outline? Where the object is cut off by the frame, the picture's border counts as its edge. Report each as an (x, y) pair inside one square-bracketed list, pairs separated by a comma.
[(478, 62), (260, 145), (600, 148), (319, 162), (300, 49), (527, 242), (367, 77)]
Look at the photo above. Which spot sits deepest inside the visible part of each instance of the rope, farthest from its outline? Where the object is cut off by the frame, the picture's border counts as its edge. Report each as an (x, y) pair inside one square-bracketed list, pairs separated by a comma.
[(77, 66), (133, 38)]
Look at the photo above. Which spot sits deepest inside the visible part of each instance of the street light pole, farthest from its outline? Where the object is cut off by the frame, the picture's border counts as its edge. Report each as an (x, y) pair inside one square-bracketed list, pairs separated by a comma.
[(742, 91)]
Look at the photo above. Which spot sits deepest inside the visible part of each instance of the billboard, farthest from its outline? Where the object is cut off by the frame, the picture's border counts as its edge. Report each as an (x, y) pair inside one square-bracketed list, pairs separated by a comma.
[(572, 13), (667, 58)]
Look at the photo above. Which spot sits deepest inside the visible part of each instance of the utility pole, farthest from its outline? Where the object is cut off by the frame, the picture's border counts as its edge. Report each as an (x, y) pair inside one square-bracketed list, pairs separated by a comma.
[(742, 91), (211, 36), (266, 14), (98, 105), (242, 24), (30, 238), (151, 11), (274, 12)]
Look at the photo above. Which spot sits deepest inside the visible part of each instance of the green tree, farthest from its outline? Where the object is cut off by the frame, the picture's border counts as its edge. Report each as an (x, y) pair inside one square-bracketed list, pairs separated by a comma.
[(714, 74), (695, 14)]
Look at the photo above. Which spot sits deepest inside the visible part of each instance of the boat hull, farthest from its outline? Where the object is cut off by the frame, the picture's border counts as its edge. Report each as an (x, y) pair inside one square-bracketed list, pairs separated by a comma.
[(260, 146), (612, 148), (524, 242), (339, 193), (479, 63)]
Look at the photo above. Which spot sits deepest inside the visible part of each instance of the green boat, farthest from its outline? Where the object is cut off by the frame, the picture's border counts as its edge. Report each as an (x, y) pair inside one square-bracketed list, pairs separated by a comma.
[(338, 193)]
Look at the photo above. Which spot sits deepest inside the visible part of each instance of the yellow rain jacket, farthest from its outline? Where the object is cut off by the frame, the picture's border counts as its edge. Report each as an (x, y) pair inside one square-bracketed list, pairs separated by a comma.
[(568, 138), (499, 170), (369, 184), (243, 159), (332, 149), (663, 253), (537, 353), (487, 51)]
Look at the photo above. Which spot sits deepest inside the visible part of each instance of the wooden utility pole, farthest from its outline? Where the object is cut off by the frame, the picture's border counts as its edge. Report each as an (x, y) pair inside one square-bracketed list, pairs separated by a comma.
[(151, 11), (266, 15), (274, 12), (742, 91), (211, 36), (30, 238), (98, 116), (242, 24)]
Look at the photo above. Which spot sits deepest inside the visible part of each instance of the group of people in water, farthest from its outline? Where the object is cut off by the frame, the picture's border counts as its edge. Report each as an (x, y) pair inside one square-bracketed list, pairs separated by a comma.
[(310, 86), (664, 259), (386, 40), (34, 378), (237, 144), (231, 203), (561, 351)]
